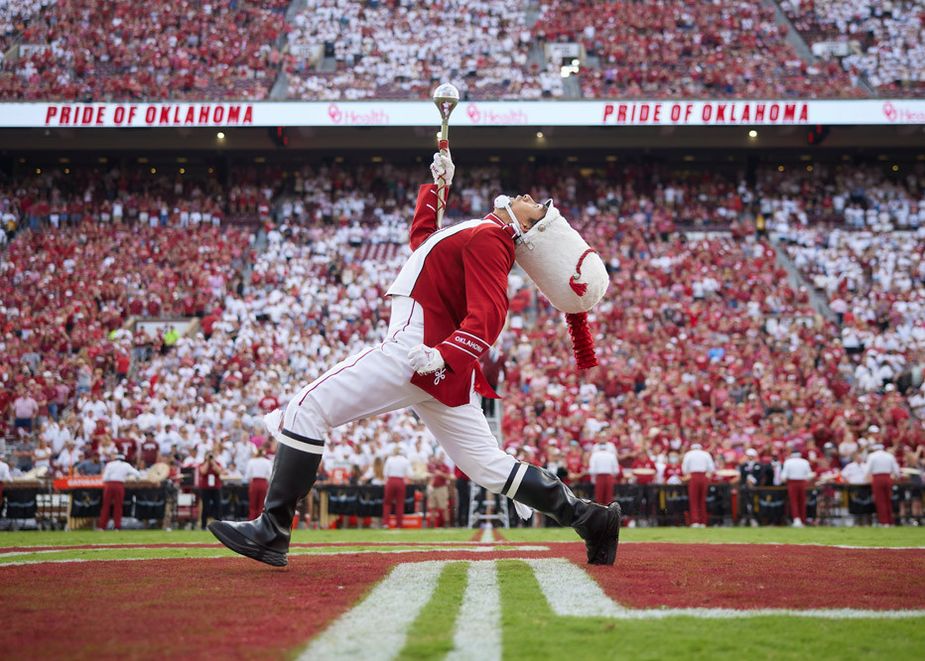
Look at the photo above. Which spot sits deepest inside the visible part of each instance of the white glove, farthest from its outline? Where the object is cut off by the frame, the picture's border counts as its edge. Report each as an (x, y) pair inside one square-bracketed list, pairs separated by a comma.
[(424, 359), (443, 169)]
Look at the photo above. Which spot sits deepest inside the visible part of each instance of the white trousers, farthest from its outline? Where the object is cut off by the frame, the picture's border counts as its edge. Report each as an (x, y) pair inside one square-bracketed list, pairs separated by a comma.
[(378, 380)]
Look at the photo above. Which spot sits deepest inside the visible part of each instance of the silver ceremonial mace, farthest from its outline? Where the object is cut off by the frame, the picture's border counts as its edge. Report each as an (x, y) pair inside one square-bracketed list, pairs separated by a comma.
[(446, 96)]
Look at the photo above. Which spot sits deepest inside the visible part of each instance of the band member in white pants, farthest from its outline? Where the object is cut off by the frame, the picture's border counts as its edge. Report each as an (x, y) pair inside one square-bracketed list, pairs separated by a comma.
[(449, 304)]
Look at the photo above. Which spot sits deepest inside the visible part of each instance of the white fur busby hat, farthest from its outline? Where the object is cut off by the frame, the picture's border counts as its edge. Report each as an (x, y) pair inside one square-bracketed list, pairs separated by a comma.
[(568, 272)]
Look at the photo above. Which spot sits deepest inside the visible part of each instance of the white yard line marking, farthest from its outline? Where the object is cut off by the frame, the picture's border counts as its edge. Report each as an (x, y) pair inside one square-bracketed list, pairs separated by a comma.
[(488, 535), (572, 592), (744, 543), (478, 625), (13, 554), (863, 548), (207, 544), (375, 630)]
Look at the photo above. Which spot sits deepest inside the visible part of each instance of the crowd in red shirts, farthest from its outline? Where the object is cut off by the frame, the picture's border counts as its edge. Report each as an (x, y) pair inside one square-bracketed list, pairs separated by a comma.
[(337, 50), (689, 50), (134, 194), (701, 339), (879, 39), (121, 50), (66, 295)]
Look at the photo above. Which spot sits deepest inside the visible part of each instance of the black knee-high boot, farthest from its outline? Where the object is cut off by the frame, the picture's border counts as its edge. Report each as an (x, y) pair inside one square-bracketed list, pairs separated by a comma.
[(598, 525), (266, 538)]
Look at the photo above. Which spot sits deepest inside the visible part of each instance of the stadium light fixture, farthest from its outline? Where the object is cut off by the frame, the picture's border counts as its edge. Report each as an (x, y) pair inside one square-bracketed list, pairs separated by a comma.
[(220, 135), (753, 134)]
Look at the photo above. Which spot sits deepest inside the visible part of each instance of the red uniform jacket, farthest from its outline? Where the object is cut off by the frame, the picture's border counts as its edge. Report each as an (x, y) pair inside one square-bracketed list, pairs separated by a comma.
[(459, 277)]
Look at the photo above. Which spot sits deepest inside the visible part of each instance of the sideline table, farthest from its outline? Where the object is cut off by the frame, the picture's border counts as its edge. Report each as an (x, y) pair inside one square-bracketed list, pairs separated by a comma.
[(144, 500)]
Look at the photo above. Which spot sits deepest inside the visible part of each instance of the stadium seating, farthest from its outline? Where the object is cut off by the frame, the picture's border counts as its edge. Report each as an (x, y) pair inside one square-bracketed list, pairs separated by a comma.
[(688, 353), (15, 15), (874, 283), (127, 50), (387, 50), (857, 196), (881, 41), (347, 50), (688, 50)]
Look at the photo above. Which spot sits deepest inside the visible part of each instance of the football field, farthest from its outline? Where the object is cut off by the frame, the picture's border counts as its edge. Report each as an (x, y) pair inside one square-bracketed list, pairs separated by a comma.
[(463, 594)]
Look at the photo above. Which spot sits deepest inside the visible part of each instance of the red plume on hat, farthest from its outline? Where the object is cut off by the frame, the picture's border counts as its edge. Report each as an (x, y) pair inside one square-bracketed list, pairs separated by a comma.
[(569, 272)]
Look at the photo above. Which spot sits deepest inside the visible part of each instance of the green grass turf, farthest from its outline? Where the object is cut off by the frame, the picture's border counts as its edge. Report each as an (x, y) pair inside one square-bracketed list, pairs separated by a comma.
[(162, 553), (73, 538), (847, 536), (431, 634), (531, 631)]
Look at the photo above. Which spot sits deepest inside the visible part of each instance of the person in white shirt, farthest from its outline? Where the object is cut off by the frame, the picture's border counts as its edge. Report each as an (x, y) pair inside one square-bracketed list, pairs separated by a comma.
[(397, 469), (796, 472), (882, 468), (697, 466), (257, 475), (855, 471), (114, 476), (68, 458), (604, 470)]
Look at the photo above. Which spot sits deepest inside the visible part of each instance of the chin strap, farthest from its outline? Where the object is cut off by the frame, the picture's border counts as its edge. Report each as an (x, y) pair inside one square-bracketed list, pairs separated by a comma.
[(504, 202)]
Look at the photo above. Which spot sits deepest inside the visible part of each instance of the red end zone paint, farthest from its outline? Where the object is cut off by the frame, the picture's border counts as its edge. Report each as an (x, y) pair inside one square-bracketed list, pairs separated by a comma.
[(217, 608), (193, 608), (750, 576)]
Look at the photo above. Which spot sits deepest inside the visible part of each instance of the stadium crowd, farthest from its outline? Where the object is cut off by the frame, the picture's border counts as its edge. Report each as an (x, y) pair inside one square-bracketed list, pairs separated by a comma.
[(403, 50), (878, 198), (15, 15), (879, 39), (346, 50), (127, 51), (679, 49), (701, 339)]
